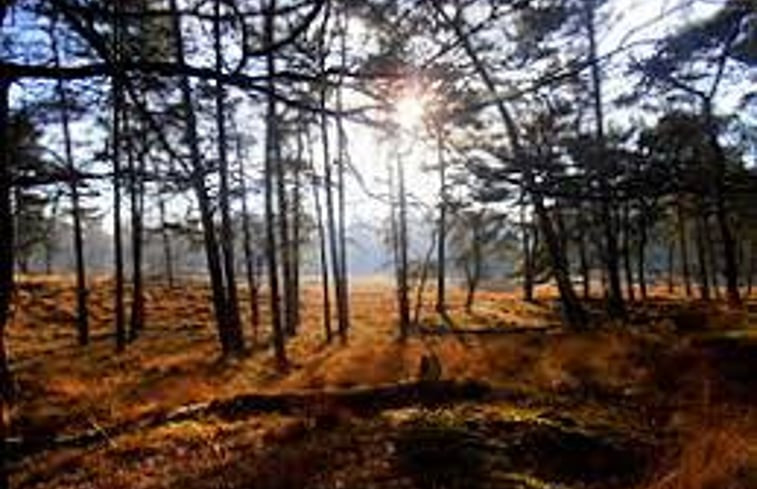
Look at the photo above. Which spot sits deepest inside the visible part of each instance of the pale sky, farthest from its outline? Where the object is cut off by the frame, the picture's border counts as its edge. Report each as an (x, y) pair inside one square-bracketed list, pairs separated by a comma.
[(631, 21)]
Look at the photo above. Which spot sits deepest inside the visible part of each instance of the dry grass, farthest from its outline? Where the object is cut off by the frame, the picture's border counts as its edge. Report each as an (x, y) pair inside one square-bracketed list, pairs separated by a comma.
[(66, 388)]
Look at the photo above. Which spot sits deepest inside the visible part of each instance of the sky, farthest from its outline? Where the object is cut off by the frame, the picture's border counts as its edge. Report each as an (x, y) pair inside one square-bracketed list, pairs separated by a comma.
[(631, 21)]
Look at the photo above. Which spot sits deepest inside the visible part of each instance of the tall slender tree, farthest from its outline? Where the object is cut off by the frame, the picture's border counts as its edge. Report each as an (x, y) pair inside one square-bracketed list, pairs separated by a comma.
[(82, 316), (272, 167)]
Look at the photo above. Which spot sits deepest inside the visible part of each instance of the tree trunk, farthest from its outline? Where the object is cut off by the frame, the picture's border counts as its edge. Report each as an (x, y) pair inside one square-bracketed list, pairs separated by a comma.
[(296, 218), (344, 299), (404, 303), (627, 252), (117, 140), (750, 273), (423, 279), (250, 259), (684, 249), (166, 241), (235, 337), (616, 307), (285, 244), (573, 311), (82, 313), (671, 264), (474, 274), (331, 223), (50, 239), (730, 268), (323, 252), (197, 178), (704, 282), (441, 257), (713, 258), (641, 265), (394, 238), (272, 142), (6, 271), (136, 192), (584, 264)]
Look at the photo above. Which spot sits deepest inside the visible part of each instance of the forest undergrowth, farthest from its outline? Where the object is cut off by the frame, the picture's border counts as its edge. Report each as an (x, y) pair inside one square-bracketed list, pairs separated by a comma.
[(664, 400)]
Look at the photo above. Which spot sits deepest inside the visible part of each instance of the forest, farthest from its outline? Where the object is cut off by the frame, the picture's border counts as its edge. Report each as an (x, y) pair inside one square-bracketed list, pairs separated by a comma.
[(426, 244)]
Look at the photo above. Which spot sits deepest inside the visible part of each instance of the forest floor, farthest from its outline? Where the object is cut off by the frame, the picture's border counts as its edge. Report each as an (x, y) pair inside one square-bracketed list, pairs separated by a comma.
[(663, 401)]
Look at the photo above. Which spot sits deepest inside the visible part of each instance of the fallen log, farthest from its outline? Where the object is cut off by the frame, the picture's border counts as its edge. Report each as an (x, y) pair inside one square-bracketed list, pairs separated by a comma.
[(486, 331), (360, 401)]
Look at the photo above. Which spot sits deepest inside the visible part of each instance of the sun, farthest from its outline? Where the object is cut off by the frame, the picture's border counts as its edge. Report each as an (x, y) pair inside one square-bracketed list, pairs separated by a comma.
[(409, 111)]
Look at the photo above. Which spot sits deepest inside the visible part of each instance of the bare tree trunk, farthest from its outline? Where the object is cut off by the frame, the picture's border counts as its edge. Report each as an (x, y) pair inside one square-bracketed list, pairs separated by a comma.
[(616, 306), (742, 262), (50, 239), (394, 237), (343, 289), (166, 240), (641, 264), (474, 274), (323, 253), (250, 260), (82, 314), (197, 178), (6, 271), (441, 257), (296, 218), (423, 279), (713, 258), (684, 249), (528, 262), (627, 253), (574, 312), (271, 147), (750, 273), (671, 264), (704, 283), (285, 243), (331, 222), (236, 339), (730, 268), (135, 193), (404, 302), (584, 264), (117, 140)]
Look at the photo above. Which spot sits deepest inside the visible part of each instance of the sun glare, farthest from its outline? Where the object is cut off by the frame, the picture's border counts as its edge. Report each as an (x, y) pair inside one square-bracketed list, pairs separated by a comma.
[(409, 111)]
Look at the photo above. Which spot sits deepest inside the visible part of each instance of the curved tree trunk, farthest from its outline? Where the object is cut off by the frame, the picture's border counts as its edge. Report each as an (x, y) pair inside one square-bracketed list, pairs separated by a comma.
[(573, 311), (197, 178)]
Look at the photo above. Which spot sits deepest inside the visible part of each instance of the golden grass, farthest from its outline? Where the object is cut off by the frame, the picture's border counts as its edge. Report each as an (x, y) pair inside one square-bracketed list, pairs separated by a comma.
[(65, 388)]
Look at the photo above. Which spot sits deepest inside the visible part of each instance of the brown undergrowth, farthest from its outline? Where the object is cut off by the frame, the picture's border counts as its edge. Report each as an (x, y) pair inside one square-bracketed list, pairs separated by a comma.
[(667, 374)]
